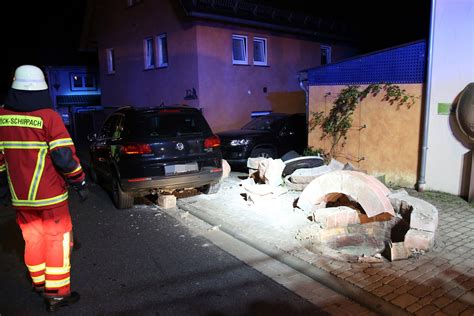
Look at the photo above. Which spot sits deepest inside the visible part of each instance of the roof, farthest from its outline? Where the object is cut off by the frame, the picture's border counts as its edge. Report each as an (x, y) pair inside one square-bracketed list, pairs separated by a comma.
[(400, 64), (270, 17)]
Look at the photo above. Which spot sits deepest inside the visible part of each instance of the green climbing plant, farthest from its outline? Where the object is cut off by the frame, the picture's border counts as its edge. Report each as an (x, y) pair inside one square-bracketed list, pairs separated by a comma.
[(338, 121)]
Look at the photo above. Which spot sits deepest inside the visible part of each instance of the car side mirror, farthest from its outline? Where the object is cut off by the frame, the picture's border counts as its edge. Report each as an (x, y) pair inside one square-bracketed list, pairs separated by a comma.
[(92, 137)]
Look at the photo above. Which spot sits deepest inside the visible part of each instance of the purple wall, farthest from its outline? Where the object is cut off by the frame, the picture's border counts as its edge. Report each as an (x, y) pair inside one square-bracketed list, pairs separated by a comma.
[(124, 30), (226, 92)]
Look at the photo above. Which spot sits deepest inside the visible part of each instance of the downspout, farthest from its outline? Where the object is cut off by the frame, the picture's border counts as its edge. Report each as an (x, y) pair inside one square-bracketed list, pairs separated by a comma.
[(426, 119), (303, 81)]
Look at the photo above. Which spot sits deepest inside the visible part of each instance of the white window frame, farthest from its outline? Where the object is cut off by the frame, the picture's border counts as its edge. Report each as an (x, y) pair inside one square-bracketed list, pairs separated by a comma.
[(148, 53), (161, 63), (244, 39), (265, 50), (328, 53), (83, 76), (110, 55)]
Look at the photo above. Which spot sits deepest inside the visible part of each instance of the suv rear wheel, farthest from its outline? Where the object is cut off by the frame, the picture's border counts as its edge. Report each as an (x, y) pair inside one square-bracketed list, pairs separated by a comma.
[(122, 200), (212, 188)]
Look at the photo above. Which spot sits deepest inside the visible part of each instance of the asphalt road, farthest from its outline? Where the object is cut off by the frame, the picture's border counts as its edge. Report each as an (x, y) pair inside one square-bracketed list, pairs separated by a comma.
[(142, 261)]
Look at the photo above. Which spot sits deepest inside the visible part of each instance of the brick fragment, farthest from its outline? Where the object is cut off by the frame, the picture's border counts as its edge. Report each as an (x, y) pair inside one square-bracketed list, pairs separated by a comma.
[(166, 201)]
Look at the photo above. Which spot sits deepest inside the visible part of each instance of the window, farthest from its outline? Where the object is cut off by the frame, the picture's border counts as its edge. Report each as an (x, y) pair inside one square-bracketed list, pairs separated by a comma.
[(260, 51), (110, 61), (162, 48), (83, 81), (239, 50), (325, 55), (149, 53)]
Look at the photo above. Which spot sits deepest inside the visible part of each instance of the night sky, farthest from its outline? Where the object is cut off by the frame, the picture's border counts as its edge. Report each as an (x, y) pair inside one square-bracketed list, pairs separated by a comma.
[(48, 32)]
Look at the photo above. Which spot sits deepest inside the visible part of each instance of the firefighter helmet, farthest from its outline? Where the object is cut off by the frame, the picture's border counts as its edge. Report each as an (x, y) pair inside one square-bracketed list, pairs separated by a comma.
[(29, 78)]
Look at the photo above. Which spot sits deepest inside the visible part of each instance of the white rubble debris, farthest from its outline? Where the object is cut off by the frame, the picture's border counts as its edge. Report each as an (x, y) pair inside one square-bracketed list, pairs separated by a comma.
[(225, 169), (253, 163), (306, 175), (273, 172)]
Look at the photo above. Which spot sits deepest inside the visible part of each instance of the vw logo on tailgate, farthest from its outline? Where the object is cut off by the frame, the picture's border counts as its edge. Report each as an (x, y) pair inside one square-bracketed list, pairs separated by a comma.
[(179, 146)]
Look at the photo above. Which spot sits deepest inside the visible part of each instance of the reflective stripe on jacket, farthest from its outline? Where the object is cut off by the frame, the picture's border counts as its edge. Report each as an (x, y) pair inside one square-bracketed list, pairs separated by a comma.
[(38, 156)]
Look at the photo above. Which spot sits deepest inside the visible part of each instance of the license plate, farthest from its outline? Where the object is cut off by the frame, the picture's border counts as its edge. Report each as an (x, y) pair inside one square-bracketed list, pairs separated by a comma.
[(181, 168)]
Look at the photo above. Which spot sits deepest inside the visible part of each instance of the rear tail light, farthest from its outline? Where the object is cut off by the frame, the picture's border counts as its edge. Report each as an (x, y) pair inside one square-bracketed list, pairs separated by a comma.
[(212, 142), (136, 149)]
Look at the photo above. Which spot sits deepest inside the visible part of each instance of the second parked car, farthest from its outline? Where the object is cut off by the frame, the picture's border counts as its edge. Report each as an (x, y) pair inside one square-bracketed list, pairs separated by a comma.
[(269, 136), (141, 151)]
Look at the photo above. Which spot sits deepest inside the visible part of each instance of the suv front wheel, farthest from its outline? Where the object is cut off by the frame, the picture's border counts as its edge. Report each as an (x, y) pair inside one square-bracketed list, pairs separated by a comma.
[(263, 152), (122, 199)]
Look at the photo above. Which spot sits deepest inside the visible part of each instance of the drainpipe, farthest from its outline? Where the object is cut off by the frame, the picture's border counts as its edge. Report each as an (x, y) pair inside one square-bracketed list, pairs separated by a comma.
[(303, 80), (426, 119)]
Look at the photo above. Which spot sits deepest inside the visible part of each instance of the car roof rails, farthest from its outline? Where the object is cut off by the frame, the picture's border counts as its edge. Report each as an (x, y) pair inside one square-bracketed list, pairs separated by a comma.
[(126, 107)]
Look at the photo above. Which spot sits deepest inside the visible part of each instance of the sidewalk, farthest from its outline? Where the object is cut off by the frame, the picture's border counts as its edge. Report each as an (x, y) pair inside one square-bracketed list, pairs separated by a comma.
[(439, 282)]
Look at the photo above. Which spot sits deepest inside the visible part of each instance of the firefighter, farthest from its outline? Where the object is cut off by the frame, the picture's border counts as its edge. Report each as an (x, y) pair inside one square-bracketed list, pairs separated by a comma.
[(37, 163)]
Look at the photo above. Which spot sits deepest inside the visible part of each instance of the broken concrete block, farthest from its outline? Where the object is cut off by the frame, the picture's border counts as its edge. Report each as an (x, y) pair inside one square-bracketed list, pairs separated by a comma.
[(335, 165), (367, 192), (419, 239), (294, 186), (273, 172), (277, 191), (424, 216), (252, 172), (395, 199), (247, 182), (396, 251), (258, 189), (253, 163), (306, 175), (225, 169), (262, 167), (166, 201), (331, 217)]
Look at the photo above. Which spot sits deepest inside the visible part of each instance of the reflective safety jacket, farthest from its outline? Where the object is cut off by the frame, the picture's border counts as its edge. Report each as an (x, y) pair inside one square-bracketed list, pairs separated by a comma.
[(39, 158)]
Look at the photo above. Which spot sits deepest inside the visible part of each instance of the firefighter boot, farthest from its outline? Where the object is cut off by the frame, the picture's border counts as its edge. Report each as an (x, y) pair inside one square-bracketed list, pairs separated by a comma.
[(53, 303)]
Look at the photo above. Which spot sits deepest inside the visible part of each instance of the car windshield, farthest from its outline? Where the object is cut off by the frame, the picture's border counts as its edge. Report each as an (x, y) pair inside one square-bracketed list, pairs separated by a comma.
[(264, 123), (169, 124)]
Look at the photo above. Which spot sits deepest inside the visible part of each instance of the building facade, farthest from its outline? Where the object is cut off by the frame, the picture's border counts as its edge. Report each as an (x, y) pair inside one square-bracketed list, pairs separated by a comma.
[(158, 52)]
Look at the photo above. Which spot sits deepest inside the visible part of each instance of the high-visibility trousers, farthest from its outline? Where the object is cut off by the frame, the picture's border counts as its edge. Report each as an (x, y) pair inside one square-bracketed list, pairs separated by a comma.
[(48, 243)]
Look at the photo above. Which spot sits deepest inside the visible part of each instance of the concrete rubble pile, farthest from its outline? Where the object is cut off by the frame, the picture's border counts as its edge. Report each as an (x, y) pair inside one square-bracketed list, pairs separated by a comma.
[(264, 180), (352, 216)]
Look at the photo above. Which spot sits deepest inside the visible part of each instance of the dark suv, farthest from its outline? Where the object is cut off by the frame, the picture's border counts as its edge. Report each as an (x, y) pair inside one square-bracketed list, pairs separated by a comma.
[(269, 136), (142, 151)]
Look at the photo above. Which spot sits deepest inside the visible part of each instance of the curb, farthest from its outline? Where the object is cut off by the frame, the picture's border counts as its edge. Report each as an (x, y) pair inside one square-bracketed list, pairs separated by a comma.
[(338, 285)]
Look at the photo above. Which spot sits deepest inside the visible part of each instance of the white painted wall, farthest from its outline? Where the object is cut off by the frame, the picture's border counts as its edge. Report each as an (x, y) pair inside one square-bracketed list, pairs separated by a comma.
[(453, 69)]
